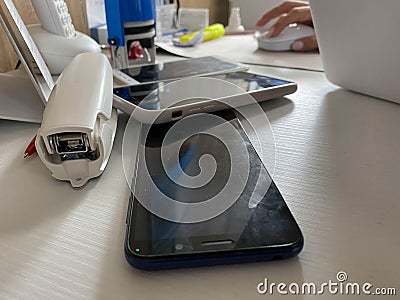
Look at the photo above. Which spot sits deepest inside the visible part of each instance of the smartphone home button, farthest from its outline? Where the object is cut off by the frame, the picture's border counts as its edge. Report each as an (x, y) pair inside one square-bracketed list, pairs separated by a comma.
[(178, 246)]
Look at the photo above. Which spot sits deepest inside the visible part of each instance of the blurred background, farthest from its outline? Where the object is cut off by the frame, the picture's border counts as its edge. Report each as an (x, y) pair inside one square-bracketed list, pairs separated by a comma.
[(219, 10)]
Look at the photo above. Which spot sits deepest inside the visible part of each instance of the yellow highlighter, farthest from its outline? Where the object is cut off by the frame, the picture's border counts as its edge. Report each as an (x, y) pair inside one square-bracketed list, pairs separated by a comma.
[(211, 32)]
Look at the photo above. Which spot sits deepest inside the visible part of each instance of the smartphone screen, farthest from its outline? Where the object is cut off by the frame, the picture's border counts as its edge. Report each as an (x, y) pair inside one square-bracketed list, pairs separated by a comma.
[(148, 96), (181, 69), (265, 224)]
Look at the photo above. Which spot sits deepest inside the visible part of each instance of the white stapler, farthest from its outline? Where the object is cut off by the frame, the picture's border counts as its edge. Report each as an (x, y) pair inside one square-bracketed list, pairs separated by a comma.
[(79, 122)]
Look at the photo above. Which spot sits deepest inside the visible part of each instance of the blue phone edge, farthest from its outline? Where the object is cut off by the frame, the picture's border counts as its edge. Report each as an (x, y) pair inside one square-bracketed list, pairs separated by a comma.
[(211, 259)]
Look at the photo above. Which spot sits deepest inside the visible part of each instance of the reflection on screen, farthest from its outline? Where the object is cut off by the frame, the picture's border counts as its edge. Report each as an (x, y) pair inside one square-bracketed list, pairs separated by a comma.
[(181, 69), (269, 222)]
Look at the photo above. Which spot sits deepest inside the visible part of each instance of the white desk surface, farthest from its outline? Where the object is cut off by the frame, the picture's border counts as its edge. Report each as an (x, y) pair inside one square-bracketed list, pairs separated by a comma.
[(338, 168), (244, 48)]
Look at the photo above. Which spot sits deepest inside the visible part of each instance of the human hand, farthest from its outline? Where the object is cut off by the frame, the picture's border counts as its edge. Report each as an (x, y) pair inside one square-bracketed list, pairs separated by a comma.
[(287, 13)]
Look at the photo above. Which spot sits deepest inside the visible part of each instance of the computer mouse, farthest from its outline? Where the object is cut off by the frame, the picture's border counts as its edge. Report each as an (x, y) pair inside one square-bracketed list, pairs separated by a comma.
[(283, 41)]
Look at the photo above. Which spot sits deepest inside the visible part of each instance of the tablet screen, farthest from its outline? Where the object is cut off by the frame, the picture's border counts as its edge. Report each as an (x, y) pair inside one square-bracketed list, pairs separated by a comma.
[(181, 69)]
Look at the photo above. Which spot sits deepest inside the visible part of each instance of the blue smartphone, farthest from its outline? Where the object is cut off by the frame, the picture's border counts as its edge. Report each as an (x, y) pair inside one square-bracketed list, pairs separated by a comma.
[(242, 233)]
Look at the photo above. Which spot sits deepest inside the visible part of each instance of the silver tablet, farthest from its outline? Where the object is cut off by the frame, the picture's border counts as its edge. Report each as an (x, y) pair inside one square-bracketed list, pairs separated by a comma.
[(158, 99)]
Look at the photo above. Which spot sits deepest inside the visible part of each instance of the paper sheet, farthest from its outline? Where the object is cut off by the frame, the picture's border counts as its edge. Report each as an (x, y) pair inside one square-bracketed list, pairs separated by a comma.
[(19, 99), (243, 48)]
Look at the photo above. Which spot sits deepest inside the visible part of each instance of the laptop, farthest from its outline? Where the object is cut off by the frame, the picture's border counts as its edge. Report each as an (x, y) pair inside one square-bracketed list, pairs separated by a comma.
[(19, 94), (359, 42)]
